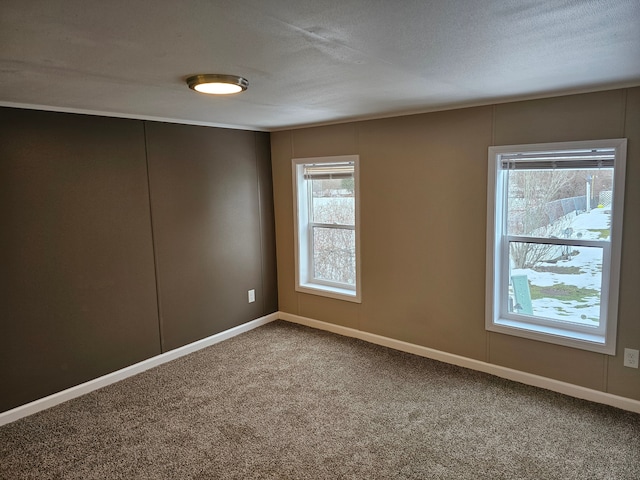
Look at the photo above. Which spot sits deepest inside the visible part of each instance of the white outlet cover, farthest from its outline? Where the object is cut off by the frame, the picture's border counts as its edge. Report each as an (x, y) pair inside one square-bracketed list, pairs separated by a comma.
[(252, 296), (631, 357)]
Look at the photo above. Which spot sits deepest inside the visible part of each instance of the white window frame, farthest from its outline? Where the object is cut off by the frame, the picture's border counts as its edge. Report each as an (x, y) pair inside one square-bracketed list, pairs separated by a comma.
[(600, 339), (303, 227)]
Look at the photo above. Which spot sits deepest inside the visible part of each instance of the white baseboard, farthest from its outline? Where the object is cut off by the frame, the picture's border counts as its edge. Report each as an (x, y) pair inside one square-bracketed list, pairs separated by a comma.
[(497, 370), (84, 388), (503, 372)]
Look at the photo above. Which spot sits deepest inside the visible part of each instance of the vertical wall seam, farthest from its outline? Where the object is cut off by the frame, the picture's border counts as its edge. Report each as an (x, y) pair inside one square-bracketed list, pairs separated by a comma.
[(293, 155), (624, 112), (487, 334), (291, 143), (260, 224), (623, 134), (359, 305), (493, 124), (153, 240)]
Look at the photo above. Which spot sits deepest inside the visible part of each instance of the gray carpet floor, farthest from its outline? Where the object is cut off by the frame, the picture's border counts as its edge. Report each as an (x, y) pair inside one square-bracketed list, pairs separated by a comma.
[(290, 402)]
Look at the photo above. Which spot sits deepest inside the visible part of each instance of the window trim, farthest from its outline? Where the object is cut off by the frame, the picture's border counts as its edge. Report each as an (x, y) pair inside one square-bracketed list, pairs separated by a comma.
[(602, 341), (304, 281)]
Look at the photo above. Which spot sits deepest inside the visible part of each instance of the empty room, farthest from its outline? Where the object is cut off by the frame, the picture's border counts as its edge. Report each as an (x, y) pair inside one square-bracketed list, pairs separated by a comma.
[(316, 239)]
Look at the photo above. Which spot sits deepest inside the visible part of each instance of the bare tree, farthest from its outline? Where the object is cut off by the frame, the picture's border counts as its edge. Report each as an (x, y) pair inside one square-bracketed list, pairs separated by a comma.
[(334, 254), (530, 197)]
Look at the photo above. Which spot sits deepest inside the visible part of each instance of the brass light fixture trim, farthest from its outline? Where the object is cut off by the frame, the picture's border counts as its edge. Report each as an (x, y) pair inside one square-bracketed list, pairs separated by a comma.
[(217, 84)]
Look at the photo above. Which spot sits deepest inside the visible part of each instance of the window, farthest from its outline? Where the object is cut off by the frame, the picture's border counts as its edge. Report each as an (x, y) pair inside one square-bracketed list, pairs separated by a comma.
[(553, 241), (327, 226)]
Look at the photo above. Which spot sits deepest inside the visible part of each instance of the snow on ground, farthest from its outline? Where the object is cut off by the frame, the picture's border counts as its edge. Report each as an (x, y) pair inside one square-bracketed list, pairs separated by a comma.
[(589, 261), (596, 219)]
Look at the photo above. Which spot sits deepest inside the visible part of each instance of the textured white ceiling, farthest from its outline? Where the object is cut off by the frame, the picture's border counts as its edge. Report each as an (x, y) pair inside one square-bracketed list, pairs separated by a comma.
[(309, 61)]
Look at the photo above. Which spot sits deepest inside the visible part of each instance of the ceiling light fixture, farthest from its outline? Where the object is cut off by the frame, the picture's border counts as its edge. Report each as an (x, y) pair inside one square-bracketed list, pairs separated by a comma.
[(216, 84)]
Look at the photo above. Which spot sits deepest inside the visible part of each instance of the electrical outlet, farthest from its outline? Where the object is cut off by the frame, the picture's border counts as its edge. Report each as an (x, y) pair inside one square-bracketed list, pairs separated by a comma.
[(252, 296), (631, 358)]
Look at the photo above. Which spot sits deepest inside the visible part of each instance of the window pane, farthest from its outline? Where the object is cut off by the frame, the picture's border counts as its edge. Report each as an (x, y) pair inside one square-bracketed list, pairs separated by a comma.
[(332, 201), (560, 282), (560, 203), (334, 255)]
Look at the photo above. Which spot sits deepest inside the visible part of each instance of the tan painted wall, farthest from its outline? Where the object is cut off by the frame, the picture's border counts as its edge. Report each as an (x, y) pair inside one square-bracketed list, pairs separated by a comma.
[(423, 225)]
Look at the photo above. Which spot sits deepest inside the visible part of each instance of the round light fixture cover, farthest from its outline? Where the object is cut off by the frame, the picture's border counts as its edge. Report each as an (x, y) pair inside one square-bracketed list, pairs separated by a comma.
[(217, 84)]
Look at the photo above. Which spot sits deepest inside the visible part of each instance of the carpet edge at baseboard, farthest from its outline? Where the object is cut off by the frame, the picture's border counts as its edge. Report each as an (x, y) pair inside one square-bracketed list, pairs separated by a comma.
[(531, 379), (500, 371), (70, 393)]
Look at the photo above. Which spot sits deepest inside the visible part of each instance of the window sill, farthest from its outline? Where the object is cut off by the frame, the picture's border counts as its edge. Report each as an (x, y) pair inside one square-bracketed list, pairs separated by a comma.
[(331, 292), (558, 336)]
